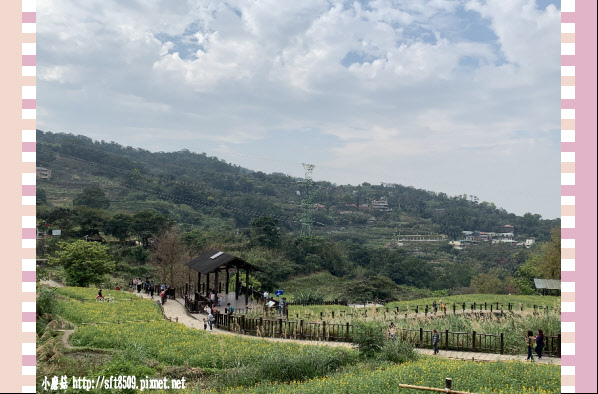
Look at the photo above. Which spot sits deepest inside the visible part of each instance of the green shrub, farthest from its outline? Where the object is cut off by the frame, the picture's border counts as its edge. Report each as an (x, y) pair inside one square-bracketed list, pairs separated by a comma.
[(277, 367), (397, 351), (46, 301), (369, 337), (308, 297)]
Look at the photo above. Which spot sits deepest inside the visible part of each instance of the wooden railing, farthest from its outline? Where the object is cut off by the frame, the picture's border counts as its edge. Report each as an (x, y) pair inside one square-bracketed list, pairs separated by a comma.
[(323, 331)]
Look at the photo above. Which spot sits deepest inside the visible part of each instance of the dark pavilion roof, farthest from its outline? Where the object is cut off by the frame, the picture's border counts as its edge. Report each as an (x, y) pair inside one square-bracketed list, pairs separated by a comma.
[(213, 260)]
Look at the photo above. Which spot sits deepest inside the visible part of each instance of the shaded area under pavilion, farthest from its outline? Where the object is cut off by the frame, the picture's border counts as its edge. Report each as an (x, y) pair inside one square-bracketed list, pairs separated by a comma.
[(211, 264)]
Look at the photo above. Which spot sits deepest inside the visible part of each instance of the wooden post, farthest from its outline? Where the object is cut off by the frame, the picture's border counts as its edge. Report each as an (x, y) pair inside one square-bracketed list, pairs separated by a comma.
[(473, 342), (216, 282), (301, 328), (186, 288), (237, 285), (246, 287), (502, 343), (421, 336), (280, 328), (454, 308), (446, 339), (227, 280), (416, 309), (463, 307), (485, 307), (347, 333), (323, 330), (558, 349), (333, 314), (207, 283)]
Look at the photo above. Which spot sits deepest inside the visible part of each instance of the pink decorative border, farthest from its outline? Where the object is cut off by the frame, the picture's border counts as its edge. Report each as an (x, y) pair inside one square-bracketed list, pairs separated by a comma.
[(28, 181), (578, 191)]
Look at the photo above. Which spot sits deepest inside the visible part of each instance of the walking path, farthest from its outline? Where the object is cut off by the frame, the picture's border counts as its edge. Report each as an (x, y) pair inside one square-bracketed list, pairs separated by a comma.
[(176, 311)]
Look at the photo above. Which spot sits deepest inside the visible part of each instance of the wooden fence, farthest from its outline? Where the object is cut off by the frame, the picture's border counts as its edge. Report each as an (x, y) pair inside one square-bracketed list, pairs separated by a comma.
[(322, 331)]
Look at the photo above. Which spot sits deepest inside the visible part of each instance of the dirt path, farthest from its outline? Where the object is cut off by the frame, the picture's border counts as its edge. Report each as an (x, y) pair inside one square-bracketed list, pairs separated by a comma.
[(175, 310)]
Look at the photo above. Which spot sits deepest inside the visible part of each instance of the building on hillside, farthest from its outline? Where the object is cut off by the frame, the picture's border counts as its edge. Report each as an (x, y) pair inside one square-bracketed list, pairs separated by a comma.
[(508, 229), (421, 238), (460, 244), (529, 242), (364, 206), (43, 173), (381, 205)]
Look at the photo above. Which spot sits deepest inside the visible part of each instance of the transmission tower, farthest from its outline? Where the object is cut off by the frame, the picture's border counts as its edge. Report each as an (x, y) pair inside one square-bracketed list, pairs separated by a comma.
[(307, 228)]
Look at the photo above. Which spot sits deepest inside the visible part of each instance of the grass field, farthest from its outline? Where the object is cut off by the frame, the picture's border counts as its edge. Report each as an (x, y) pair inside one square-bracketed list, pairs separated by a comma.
[(509, 377), (211, 362)]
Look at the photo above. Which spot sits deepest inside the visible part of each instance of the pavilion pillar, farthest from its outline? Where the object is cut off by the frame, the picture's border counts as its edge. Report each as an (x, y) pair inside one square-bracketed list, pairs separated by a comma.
[(237, 285), (199, 282), (227, 280), (207, 283), (246, 287), (216, 283)]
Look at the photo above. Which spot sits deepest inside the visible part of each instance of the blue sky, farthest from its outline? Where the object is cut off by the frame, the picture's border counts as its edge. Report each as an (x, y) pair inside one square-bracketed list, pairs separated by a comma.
[(452, 96)]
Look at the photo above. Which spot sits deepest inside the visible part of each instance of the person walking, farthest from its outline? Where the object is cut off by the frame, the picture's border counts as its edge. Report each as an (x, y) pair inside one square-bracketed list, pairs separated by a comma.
[(434, 306), (392, 331), (162, 297), (530, 340), (539, 344), (152, 291), (211, 320), (435, 341)]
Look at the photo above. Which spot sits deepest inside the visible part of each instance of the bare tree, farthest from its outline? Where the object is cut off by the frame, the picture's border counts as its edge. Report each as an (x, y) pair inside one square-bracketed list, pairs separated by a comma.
[(169, 254)]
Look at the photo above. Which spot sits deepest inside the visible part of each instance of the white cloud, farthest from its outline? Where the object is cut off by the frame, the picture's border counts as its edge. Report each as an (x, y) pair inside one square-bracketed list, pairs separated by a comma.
[(384, 81)]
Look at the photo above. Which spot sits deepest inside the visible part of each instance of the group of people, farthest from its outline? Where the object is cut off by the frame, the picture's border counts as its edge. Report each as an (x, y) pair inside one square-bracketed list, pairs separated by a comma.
[(441, 304), (532, 340), (150, 288), (214, 298)]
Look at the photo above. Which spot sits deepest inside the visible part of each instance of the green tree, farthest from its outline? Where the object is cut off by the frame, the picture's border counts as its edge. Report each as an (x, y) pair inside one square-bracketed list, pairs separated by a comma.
[(61, 219), (524, 277), (91, 220), (119, 226), (487, 284), (93, 197), (148, 223), (264, 232), (40, 197), (549, 263), (83, 262)]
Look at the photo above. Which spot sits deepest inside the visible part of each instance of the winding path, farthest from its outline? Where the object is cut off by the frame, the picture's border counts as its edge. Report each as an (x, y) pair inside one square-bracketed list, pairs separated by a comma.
[(175, 310)]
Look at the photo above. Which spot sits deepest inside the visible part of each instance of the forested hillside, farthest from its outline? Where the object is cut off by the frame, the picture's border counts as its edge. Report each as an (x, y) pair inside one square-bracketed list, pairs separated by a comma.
[(100, 187)]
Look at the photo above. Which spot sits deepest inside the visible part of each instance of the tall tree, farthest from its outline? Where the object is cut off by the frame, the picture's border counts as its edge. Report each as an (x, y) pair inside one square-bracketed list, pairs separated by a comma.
[(93, 197), (264, 232), (119, 226), (83, 262), (169, 254), (549, 263)]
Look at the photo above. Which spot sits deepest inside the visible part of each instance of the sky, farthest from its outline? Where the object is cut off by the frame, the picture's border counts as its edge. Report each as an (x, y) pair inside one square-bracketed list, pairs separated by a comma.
[(460, 97)]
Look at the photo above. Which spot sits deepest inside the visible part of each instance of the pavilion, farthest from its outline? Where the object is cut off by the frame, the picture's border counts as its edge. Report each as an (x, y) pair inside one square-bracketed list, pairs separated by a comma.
[(213, 262)]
